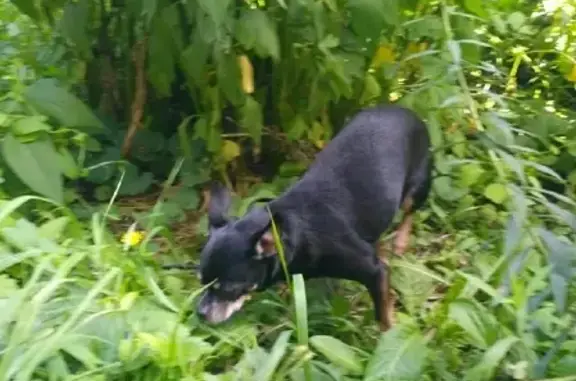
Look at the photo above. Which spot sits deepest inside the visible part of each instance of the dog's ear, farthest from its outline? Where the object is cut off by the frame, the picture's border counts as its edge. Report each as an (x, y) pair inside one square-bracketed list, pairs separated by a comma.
[(219, 204), (265, 246), (257, 224)]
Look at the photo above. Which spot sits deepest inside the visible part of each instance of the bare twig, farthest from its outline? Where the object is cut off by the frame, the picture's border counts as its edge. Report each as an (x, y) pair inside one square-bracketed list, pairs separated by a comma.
[(139, 101)]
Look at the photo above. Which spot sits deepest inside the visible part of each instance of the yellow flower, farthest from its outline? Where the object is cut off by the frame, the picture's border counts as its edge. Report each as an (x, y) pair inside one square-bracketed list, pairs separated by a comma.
[(132, 238)]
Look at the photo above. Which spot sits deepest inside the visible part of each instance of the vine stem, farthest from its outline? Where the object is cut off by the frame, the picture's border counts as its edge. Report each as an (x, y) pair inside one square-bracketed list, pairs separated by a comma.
[(472, 106)]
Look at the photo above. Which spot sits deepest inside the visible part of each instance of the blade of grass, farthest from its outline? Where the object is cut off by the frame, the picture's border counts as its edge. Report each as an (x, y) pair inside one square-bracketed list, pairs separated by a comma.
[(421, 271), (157, 291), (22, 327), (165, 187), (40, 354), (29, 311), (11, 206), (280, 249), (266, 371), (301, 308)]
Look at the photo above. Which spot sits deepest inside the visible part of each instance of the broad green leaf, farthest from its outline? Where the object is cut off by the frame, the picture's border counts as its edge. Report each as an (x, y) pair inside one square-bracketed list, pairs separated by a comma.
[(497, 193), (477, 7), (75, 23), (245, 33), (201, 128), (24, 235), (36, 164), (161, 60), (216, 10), (444, 187), (338, 78), (29, 8), (428, 26), (135, 182), (485, 370), (470, 174), (338, 353), (327, 43), (54, 101), (252, 119), (372, 90), (572, 177), (230, 78), (414, 282), (30, 125), (516, 20), (297, 128), (148, 9), (465, 314), (54, 228), (67, 164), (566, 366), (255, 30), (399, 356), (368, 17), (171, 17)]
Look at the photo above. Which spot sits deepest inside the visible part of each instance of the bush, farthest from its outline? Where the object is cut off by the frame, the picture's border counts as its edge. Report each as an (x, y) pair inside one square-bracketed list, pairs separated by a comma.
[(139, 103)]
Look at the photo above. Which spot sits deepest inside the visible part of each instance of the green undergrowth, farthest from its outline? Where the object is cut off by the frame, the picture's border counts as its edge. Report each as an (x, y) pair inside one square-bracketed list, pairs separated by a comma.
[(487, 291), (79, 304)]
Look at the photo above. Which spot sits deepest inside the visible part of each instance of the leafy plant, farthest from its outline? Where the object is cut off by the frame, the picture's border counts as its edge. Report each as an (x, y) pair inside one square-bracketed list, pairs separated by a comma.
[(487, 292)]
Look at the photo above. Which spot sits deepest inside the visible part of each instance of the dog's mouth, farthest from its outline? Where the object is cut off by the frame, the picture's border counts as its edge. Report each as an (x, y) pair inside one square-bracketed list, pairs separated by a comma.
[(215, 310)]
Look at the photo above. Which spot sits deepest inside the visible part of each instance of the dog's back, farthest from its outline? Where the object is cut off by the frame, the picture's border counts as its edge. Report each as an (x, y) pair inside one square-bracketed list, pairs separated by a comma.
[(359, 181)]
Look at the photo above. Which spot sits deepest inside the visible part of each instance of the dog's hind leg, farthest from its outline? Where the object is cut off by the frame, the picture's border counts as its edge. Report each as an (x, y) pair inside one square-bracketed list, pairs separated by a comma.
[(413, 200), (385, 315), (403, 232)]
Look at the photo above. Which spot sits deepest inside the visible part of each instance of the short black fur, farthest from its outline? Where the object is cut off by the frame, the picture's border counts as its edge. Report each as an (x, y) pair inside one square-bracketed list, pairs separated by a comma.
[(330, 220)]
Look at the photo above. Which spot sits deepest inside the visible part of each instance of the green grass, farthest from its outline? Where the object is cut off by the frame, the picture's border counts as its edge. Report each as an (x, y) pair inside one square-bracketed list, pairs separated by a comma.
[(80, 305)]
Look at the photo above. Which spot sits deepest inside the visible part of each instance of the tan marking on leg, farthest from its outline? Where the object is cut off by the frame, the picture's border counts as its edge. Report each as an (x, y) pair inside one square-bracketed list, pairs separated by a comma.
[(381, 252), (403, 233)]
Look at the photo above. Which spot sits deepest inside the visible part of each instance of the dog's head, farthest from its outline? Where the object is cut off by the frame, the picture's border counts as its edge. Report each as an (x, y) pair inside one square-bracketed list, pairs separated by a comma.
[(239, 257)]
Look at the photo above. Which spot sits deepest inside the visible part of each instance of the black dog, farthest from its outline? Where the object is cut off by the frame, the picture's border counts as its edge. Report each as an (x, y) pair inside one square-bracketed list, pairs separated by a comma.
[(330, 220)]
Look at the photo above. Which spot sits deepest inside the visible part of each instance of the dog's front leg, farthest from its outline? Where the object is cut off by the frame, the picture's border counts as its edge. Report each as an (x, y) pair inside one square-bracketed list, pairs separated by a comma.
[(382, 298)]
